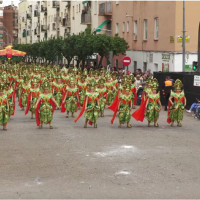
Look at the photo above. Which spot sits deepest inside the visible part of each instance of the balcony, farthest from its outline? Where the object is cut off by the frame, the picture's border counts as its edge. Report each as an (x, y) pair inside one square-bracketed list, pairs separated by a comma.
[(35, 31), (43, 8), (36, 13), (66, 22), (105, 8), (15, 34), (86, 18), (15, 25), (28, 16), (56, 4), (53, 26), (43, 28), (28, 33)]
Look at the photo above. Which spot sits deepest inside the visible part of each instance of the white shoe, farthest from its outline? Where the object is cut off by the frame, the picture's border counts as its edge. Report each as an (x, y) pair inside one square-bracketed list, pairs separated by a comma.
[(189, 111)]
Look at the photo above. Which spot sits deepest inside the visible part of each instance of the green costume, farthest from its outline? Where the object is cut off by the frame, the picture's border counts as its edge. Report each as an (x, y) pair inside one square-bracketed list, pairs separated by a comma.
[(82, 91), (71, 99), (46, 109), (124, 114), (177, 102), (176, 110), (4, 111), (92, 107), (153, 107), (58, 92), (102, 99)]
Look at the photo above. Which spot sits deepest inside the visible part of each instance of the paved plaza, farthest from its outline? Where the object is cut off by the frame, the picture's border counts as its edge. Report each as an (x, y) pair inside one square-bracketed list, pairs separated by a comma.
[(72, 162)]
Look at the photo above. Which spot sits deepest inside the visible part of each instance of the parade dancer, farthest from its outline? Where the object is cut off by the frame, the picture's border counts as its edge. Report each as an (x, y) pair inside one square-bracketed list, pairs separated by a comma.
[(110, 89), (133, 89), (4, 108), (177, 103), (33, 97), (70, 100), (25, 90), (91, 105), (45, 106), (58, 89), (153, 104), (19, 83), (82, 86), (123, 106), (102, 95), (11, 98)]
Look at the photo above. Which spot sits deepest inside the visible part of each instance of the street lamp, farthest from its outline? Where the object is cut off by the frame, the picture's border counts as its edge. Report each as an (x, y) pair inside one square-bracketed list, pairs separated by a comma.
[(183, 41)]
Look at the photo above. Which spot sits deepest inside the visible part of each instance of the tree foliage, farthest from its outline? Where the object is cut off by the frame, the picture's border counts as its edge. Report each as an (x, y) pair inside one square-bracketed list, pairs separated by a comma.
[(80, 46)]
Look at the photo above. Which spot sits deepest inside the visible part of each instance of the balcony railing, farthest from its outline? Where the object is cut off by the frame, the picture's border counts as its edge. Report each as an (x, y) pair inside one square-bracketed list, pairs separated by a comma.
[(43, 9), (28, 16), (86, 18), (36, 13), (105, 8), (15, 26), (43, 28), (56, 4), (66, 22)]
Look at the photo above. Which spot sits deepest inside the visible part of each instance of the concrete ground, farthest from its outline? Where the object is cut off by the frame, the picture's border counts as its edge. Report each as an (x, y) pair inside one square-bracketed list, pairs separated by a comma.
[(72, 162)]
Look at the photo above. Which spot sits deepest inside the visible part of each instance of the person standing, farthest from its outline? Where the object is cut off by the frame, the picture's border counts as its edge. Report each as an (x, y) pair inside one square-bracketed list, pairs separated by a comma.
[(177, 103), (167, 87), (4, 108)]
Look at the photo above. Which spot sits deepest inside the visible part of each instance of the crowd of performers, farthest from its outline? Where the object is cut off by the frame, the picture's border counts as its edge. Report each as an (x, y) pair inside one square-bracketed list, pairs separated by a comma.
[(39, 90)]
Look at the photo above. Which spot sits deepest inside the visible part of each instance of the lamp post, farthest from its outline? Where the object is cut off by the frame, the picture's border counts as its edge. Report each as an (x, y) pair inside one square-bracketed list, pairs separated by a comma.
[(183, 41)]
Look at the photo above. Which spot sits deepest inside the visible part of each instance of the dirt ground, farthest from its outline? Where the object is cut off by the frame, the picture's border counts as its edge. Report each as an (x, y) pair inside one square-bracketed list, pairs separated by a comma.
[(72, 162)]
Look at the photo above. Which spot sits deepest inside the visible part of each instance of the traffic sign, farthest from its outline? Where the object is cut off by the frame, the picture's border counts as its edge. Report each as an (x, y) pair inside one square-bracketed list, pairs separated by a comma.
[(126, 61)]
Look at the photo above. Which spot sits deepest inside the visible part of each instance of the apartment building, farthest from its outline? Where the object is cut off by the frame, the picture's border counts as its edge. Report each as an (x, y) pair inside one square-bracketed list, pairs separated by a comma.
[(153, 30), (1, 25), (42, 20), (10, 25)]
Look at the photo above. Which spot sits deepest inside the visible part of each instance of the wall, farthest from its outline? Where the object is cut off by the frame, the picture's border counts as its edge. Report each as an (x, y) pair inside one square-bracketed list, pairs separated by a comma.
[(192, 16)]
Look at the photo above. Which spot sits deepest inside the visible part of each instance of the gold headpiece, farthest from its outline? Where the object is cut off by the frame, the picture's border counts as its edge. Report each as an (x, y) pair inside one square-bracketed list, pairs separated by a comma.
[(178, 84)]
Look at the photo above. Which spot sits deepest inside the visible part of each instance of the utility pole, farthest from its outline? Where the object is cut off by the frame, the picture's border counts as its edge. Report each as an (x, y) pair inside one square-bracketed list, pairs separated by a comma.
[(183, 40), (199, 46)]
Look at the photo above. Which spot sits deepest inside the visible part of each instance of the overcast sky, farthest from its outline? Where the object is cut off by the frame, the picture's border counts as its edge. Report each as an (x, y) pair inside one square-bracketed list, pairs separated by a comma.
[(8, 2)]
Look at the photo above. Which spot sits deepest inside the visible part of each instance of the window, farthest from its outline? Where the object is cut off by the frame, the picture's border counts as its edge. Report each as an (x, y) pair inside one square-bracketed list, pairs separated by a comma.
[(73, 13), (135, 30), (117, 28), (123, 27), (144, 66), (145, 29), (127, 27), (135, 65), (155, 67), (156, 28)]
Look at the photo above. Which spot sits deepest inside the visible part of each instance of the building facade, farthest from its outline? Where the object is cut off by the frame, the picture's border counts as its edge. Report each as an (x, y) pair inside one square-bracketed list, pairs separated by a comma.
[(153, 30), (42, 20), (1, 25), (10, 25), (153, 35)]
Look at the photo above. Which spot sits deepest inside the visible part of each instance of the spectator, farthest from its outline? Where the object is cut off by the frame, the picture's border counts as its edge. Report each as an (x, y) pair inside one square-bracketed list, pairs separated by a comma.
[(138, 81), (166, 89), (194, 107)]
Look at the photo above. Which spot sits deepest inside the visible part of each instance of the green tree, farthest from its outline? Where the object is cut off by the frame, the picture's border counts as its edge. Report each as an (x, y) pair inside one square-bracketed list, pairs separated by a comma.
[(84, 47), (68, 48), (102, 44), (119, 45)]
